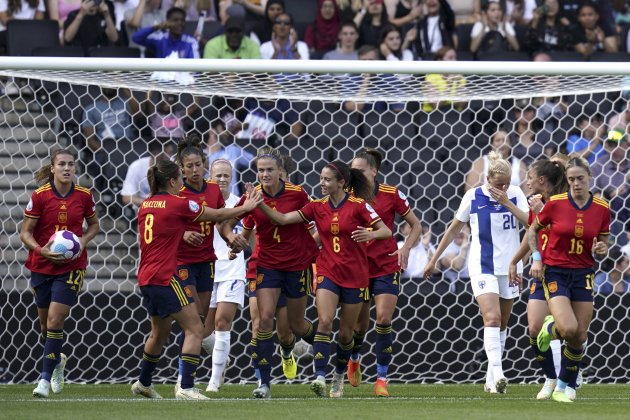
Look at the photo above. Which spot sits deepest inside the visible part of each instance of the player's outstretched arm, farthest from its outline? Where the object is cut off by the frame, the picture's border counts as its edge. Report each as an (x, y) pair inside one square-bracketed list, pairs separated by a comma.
[(281, 218), (254, 198), (378, 231)]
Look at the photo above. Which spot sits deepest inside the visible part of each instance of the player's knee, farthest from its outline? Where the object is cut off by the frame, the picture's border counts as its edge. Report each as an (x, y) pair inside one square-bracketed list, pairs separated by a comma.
[(222, 324), (285, 336), (533, 329), (492, 319), (568, 332), (325, 324), (345, 336), (55, 322), (383, 319)]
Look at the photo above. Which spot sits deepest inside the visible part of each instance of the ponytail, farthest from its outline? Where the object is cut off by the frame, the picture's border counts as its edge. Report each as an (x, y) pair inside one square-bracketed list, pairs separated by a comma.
[(160, 174), (373, 157), (554, 173)]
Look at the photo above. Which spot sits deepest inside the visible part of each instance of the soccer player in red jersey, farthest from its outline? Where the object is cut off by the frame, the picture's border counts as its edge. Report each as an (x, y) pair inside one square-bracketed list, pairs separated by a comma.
[(545, 178), (385, 262), (59, 204), (285, 254), (578, 226), (162, 221), (344, 222), (195, 256), (283, 330)]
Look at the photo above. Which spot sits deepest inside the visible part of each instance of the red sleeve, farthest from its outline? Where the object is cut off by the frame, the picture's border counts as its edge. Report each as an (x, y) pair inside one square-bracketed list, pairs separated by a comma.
[(90, 206), (401, 204), (34, 207), (308, 212), (544, 217), (530, 218), (605, 228), (240, 203), (249, 223), (368, 215)]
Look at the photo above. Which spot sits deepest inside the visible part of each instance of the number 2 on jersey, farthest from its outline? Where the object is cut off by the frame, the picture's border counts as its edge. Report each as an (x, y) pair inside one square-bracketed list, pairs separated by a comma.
[(148, 229)]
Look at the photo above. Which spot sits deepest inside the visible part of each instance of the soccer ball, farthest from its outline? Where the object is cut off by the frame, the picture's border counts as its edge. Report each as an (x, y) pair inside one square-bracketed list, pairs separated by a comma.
[(303, 350), (66, 243)]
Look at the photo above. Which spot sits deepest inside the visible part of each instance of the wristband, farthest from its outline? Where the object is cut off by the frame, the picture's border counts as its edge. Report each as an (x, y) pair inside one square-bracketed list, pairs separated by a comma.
[(536, 256), (38, 250)]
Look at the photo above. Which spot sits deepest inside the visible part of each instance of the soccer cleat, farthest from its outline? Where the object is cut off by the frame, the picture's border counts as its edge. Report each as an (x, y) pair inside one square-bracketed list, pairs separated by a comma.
[(561, 396), (354, 372), (262, 392), (289, 367), (547, 389), (190, 394), (318, 386), (380, 388), (544, 337), (56, 381), (178, 384), (336, 386), (212, 387), (42, 390), (570, 393), (489, 388), (146, 391), (501, 385)]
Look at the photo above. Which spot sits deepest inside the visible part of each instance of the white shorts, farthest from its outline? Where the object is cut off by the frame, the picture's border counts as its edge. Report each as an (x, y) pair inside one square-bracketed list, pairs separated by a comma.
[(232, 291), (488, 283)]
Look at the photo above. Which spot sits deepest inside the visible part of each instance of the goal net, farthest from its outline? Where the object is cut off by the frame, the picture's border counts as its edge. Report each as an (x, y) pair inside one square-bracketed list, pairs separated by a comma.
[(433, 122)]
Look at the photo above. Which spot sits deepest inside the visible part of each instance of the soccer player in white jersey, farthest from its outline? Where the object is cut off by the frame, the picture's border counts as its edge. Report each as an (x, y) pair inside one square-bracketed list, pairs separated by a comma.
[(493, 211), (228, 293)]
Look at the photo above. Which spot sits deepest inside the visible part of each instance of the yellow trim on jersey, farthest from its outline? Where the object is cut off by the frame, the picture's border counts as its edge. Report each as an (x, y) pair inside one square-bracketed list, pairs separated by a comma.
[(44, 188), (83, 189), (375, 221), (31, 217), (179, 292), (209, 181), (406, 213), (303, 217), (387, 188), (354, 199), (601, 202), (563, 196)]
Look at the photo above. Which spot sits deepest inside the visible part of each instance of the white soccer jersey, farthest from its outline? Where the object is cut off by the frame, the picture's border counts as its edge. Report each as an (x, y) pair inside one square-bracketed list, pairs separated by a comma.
[(226, 269), (494, 230)]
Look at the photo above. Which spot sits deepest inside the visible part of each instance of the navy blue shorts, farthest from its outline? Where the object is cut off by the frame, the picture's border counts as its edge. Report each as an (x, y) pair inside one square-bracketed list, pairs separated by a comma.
[(292, 284), (199, 275), (163, 301), (574, 283), (282, 299), (60, 288), (346, 294), (388, 284), (536, 290)]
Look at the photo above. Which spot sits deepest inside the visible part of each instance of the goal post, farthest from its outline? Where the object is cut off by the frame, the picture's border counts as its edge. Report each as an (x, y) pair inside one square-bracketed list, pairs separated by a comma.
[(316, 111)]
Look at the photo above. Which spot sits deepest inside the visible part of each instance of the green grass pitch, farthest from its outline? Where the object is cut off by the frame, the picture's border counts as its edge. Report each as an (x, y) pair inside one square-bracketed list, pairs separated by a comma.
[(297, 402)]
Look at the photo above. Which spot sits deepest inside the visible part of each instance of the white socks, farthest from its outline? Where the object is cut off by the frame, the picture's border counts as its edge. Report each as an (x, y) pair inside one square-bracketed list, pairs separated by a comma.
[(208, 344), (493, 345), (220, 356), (556, 349)]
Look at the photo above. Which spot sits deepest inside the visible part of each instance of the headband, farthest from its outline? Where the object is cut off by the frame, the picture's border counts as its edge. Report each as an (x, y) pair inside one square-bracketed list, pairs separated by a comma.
[(220, 161), (269, 155), (338, 171)]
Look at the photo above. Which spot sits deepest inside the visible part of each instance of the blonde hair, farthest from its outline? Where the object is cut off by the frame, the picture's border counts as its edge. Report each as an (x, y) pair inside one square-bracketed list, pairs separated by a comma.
[(497, 165)]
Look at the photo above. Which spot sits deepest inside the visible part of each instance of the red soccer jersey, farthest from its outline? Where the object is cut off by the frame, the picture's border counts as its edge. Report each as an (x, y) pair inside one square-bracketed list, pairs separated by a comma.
[(209, 196), (342, 260), (283, 248), (387, 202), (162, 221), (56, 212), (572, 230), (543, 234)]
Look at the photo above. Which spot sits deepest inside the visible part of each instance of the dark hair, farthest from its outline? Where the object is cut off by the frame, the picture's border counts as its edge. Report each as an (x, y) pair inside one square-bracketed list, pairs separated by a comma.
[(373, 157), (270, 153), (386, 30), (348, 23), (191, 145), (553, 173), (285, 13), (159, 174), (580, 163), (354, 179), (271, 2), (170, 12), (44, 174), (15, 6), (365, 49)]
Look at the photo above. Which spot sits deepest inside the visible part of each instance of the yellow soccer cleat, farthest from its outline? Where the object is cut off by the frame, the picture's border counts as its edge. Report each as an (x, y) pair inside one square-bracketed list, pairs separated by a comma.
[(561, 396), (289, 367), (544, 336), (354, 373)]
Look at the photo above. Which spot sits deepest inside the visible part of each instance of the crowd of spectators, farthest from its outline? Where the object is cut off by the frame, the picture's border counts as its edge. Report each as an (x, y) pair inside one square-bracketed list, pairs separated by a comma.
[(348, 30)]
